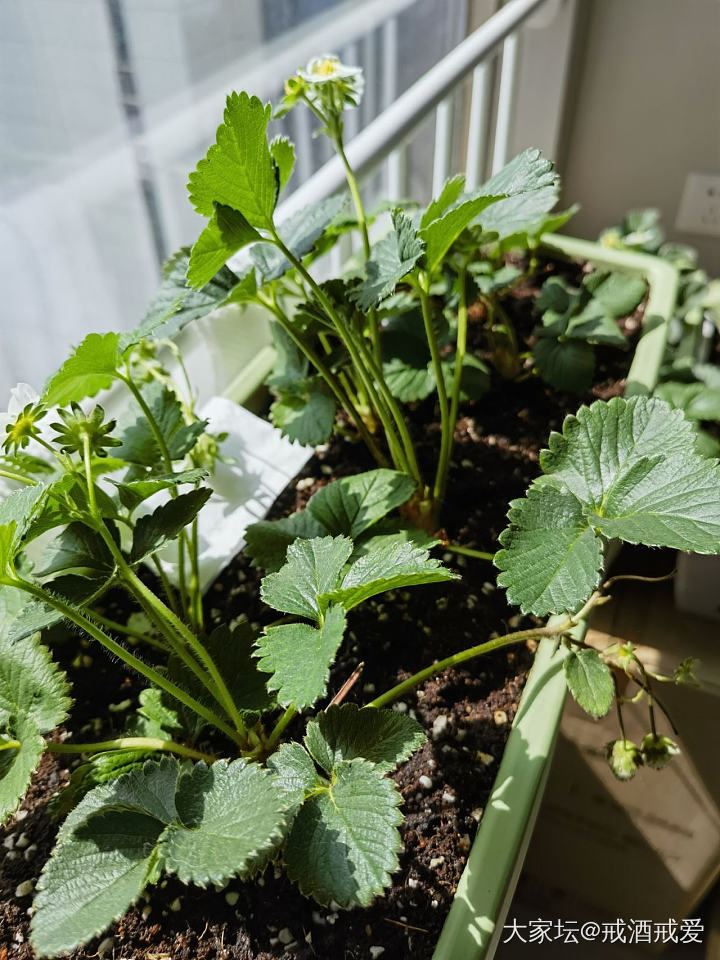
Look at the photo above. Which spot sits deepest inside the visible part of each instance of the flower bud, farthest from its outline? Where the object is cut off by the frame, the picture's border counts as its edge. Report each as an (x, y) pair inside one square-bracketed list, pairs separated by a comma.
[(624, 758), (658, 751)]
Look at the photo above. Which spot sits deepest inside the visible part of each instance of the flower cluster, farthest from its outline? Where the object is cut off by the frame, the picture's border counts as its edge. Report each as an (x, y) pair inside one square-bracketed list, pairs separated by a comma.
[(327, 85)]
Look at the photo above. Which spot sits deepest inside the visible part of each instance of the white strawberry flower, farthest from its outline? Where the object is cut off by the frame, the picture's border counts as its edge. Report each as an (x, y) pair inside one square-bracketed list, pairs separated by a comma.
[(329, 69)]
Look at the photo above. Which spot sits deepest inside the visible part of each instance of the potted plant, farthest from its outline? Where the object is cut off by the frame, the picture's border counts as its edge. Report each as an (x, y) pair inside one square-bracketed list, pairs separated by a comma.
[(225, 769)]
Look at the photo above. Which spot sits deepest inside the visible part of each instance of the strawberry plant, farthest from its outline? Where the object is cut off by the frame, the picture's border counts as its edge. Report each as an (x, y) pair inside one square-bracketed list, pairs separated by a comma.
[(234, 758)]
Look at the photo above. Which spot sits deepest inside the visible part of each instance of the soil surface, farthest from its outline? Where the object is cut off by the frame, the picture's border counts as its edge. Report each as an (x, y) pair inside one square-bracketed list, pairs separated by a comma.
[(467, 712)]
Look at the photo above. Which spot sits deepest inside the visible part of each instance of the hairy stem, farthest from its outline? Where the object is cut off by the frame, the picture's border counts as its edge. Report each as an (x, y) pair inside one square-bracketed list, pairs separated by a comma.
[(130, 743), (445, 424), (468, 551), (117, 650), (18, 477), (362, 221), (508, 639), (279, 727), (343, 399), (356, 352), (448, 438), (167, 461)]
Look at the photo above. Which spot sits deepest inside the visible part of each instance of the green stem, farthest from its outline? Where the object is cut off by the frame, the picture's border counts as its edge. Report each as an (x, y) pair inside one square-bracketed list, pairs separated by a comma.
[(151, 421), (217, 687), (117, 650), (356, 356), (468, 551), (448, 439), (167, 460), (18, 477), (162, 614), (446, 426), (508, 639), (362, 221), (344, 400), (195, 591), (396, 412), (10, 745), (279, 727), (122, 628), (166, 585), (130, 743)]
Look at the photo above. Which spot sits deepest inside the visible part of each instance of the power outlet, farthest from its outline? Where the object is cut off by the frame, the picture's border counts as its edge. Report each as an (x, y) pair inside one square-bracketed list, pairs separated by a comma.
[(699, 210)]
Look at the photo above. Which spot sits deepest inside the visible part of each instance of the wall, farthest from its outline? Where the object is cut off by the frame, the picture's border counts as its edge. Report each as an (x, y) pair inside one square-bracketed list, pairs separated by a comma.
[(646, 111)]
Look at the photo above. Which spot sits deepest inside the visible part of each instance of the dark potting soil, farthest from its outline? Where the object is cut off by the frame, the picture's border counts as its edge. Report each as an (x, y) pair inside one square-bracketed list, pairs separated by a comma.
[(467, 712)]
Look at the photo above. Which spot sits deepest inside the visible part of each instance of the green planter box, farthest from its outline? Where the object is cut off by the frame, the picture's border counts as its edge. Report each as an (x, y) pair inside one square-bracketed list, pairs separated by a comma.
[(238, 360)]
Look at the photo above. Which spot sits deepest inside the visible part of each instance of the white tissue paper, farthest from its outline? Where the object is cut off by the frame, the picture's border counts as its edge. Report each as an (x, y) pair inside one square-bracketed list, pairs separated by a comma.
[(264, 462)]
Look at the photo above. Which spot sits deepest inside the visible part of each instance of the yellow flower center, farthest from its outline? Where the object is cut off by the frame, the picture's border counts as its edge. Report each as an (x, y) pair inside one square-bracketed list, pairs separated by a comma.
[(22, 427), (326, 67)]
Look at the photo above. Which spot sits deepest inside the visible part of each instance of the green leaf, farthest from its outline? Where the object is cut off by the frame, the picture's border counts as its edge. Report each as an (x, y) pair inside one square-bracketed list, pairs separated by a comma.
[(696, 400), (18, 766), (344, 840), (267, 542), (625, 469), (392, 258), (105, 856), (312, 570), (155, 718), (619, 293), (175, 304), (283, 153), (166, 522), (238, 170), (78, 547), (447, 197), (589, 681), (138, 441), (409, 381), (205, 824), (16, 514), (343, 733), (565, 364), (351, 505), (36, 615), (515, 219), (232, 651), (594, 326), (31, 685), (232, 822), (290, 364), (440, 235), (299, 234), (299, 657), (397, 565), (90, 368), (305, 414), (294, 771), (134, 492), (527, 171), (531, 189), (226, 233), (33, 700), (552, 558)]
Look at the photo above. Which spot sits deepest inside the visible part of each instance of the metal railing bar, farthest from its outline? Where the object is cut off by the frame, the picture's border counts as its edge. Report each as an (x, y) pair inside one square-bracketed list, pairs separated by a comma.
[(477, 142), (394, 124), (443, 144), (505, 102)]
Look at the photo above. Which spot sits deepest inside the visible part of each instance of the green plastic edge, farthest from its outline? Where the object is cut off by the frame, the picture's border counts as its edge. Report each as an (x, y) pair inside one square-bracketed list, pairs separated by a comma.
[(474, 924)]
